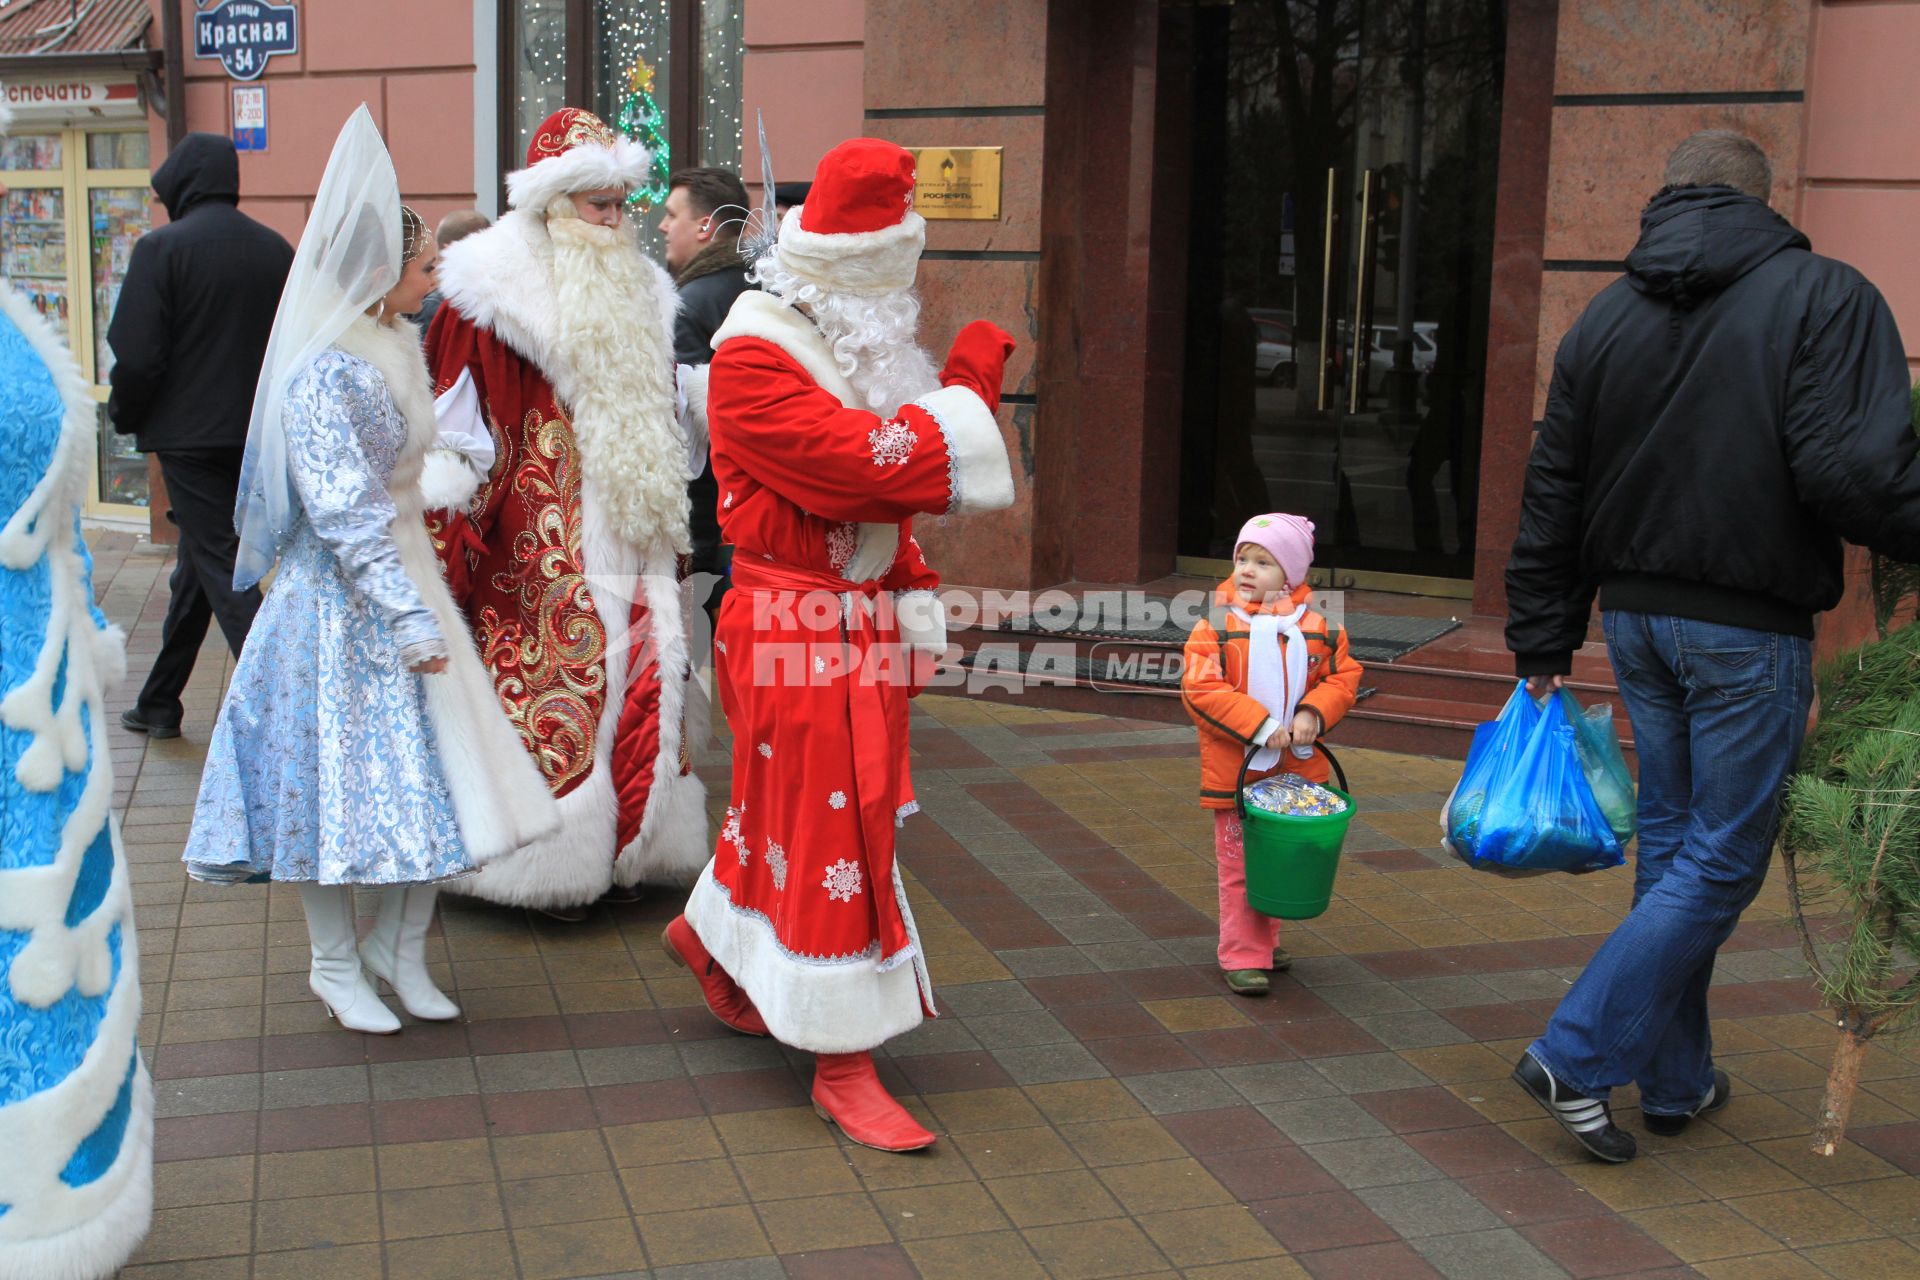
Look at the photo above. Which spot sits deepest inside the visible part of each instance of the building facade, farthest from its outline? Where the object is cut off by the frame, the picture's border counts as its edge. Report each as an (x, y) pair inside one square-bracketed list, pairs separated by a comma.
[(1258, 253)]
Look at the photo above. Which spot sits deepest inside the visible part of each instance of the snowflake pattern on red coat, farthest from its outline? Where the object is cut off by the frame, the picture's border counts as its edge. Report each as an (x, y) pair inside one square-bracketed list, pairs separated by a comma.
[(892, 442), (842, 541), (843, 881)]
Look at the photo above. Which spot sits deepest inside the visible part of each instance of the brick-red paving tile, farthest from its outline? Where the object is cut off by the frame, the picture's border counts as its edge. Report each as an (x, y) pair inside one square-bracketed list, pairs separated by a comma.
[(1418, 1110), (1323, 1220), (1593, 1247), (429, 1119), (346, 1124)]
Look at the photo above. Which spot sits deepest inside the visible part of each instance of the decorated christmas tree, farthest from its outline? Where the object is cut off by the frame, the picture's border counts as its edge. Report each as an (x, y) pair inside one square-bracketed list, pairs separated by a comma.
[(1852, 842), (642, 120)]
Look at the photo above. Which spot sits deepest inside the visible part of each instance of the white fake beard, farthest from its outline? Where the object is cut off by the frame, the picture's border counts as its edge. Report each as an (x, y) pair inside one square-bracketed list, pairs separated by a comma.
[(872, 339), (624, 410)]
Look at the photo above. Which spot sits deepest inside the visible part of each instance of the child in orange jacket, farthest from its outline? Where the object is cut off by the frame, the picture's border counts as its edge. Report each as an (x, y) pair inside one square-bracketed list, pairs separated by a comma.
[(1271, 678)]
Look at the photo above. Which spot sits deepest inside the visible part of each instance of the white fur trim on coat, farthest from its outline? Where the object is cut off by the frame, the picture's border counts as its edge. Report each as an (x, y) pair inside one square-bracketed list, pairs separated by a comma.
[(584, 168), (922, 621), (980, 472), (502, 280), (823, 1006), (499, 798), (862, 263), (447, 480), (53, 1231)]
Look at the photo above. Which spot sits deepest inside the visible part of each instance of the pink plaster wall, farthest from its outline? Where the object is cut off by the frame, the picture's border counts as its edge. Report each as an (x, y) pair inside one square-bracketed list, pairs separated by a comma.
[(1862, 194), (804, 66), (411, 63)]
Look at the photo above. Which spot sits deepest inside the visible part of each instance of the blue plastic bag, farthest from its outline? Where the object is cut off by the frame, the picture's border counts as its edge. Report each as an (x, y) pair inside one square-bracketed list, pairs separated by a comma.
[(1524, 802), (1496, 743)]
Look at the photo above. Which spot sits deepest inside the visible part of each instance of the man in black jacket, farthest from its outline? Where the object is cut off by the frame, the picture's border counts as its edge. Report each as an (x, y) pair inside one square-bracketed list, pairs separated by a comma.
[(1718, 420), (188, 336), (704, 212)]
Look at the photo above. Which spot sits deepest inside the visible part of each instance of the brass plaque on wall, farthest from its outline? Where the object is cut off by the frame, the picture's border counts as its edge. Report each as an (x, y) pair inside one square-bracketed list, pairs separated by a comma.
[(957, 183)]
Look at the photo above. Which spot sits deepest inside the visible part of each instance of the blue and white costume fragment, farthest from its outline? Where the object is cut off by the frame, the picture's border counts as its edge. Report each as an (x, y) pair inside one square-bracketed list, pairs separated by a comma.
[(76, 1102)]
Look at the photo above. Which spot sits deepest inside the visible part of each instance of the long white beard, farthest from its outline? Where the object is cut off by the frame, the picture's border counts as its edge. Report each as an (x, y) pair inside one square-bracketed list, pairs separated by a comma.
[(624, 418), (872, 338)]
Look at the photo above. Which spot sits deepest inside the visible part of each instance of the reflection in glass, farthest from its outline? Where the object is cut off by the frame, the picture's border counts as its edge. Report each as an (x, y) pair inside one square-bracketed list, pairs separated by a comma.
[(32, 151), (117, 150), (720, 43), (117, 218), (123, 468), (33, 249), (626, 33), (1342, 219), (539, 67)]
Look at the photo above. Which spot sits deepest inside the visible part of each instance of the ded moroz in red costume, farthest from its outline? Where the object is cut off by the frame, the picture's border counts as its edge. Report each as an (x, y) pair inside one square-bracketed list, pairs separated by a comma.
[(802, 912), (556, 337)]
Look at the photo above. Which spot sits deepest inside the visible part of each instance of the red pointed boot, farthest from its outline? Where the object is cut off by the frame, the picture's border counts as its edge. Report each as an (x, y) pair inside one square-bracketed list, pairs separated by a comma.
[(725, 1000), (847, 1092)]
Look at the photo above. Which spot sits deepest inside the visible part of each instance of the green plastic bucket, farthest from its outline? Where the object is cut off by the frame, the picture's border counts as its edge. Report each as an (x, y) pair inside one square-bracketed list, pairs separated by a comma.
[(1292, 858)]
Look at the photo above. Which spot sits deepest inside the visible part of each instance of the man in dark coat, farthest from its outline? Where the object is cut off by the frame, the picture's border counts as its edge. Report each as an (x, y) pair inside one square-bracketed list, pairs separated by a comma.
[(704, 213), (1718, 421), (188, 337)]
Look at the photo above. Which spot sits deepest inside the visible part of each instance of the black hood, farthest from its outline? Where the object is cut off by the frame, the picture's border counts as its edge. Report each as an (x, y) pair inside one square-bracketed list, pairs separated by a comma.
[(1695, 241), (203, 167)]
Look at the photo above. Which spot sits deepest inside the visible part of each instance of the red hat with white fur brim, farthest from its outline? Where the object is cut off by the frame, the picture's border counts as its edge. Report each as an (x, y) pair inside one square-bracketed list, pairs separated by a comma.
[(571, 151), (857, 233)]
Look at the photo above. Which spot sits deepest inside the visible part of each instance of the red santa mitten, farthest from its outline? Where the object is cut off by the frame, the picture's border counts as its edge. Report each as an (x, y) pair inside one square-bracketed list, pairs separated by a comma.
[(978, 361)]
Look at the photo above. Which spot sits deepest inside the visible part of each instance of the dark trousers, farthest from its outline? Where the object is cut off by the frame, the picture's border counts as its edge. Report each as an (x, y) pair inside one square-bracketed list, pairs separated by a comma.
[(201, 486)]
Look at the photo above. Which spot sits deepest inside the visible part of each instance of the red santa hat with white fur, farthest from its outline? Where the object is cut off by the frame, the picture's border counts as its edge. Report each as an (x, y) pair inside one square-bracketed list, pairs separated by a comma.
[(857, 233), (572, 151)]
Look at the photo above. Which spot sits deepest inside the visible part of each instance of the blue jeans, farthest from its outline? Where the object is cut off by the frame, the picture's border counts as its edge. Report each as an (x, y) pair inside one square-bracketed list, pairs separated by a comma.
[(1718, 714)]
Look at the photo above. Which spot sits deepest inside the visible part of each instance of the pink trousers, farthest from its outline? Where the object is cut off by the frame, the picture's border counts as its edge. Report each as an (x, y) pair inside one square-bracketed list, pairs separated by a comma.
[(1247, 938)]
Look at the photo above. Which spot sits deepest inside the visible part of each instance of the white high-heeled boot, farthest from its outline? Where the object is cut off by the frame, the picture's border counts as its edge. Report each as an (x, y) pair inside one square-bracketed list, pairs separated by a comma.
[(336, 977), (396, 951)]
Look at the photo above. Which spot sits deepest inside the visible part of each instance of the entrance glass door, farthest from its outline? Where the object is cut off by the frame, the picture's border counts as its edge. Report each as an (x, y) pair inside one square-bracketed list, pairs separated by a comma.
[(1344, 177)]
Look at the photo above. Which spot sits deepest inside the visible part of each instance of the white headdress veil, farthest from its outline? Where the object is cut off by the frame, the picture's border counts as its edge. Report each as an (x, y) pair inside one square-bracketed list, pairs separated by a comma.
[(349, 257)]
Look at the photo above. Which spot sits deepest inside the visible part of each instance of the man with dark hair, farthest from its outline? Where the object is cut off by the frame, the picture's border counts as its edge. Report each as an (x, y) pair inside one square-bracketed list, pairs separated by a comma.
[(1718, 420), (704, 213), (788, 195), (188, 336)]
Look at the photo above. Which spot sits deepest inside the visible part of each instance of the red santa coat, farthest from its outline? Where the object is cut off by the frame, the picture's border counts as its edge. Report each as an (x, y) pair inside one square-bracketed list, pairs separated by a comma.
[(581, 629), (803, 904)]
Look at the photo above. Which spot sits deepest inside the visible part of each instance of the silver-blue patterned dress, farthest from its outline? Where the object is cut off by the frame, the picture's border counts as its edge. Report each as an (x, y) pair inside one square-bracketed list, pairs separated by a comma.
[(323, 765)]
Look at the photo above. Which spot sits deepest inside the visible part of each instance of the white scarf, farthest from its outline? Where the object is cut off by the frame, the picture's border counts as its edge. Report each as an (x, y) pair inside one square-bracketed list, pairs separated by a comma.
[(1274, 639)]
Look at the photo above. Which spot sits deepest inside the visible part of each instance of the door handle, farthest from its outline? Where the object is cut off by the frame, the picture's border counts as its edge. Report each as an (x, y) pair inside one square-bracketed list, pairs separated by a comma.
[(1324, 401), (1362, 335)]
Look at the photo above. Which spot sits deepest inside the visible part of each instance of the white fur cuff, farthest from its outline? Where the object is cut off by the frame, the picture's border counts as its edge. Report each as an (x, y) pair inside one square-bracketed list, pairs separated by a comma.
[(448, 480), (980, 474), (923, 623)]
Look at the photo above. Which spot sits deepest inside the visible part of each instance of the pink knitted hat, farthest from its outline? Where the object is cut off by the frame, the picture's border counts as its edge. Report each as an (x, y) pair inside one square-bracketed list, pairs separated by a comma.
[(1288, 539)]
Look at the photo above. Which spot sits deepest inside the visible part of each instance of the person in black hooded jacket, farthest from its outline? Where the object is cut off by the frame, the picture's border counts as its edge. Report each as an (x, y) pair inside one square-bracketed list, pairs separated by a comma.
[(188, 336), (1718, 420)]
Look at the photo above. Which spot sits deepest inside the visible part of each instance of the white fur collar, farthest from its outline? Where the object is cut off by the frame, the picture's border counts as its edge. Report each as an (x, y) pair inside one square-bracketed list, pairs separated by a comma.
[(758, 314), (502, 280)]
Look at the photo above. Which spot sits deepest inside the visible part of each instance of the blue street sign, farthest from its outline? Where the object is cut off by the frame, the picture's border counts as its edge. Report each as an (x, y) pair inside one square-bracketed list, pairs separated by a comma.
[(243, 34)]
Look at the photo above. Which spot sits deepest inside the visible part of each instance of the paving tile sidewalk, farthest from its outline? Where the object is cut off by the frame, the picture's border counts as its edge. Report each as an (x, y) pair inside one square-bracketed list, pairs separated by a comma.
[(1106, 1109)]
